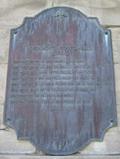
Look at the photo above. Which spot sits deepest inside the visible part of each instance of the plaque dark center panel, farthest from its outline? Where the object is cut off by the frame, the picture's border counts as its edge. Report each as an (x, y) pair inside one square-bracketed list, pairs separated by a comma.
[(60, 91)]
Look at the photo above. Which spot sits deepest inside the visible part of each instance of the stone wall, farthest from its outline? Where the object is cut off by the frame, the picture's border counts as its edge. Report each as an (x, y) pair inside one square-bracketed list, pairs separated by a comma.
[(12, 13)]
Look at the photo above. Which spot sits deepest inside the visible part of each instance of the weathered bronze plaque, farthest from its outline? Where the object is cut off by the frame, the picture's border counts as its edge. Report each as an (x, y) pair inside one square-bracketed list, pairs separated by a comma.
[(60, 88)]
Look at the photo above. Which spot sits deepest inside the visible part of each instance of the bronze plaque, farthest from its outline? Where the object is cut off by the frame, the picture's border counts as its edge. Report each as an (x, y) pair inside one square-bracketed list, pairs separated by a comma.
[(60, 89)]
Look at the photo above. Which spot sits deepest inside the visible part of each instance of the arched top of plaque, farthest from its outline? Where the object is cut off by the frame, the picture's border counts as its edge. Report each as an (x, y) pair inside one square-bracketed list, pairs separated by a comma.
[(60, 91)]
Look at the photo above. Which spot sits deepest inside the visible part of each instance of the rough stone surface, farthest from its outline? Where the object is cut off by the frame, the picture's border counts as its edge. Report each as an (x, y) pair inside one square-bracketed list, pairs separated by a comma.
[(56, 157), (3, 75), (10, 145), (106, 10), (4, 43), (11, 15)]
